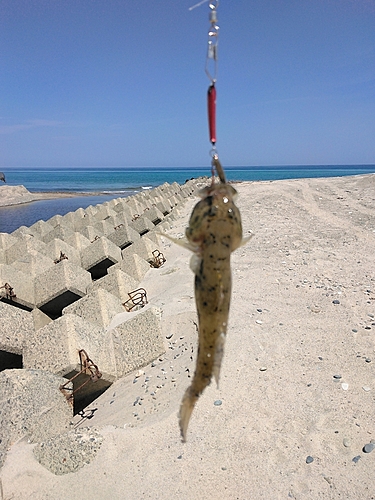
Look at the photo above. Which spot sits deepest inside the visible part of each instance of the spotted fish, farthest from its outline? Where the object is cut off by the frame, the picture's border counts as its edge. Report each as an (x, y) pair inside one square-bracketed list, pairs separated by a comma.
[(214, 232)]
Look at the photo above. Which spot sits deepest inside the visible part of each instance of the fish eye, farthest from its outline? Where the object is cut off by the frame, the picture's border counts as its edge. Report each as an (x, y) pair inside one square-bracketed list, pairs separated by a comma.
[(225, 199)]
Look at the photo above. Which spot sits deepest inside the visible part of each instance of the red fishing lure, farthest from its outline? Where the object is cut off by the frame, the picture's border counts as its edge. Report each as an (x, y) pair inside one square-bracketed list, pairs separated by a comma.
[(211, 101)]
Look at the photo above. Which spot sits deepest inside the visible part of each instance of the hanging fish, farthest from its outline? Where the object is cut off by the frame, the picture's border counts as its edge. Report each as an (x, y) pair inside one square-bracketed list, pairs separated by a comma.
[(214, 232)]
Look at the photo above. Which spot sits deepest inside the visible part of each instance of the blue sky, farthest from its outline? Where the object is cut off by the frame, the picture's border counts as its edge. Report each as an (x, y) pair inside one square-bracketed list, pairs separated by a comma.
[(122, 82)]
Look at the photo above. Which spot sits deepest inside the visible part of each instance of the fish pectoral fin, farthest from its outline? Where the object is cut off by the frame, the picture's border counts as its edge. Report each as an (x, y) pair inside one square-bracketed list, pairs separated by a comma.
[(183, 242), (195, 263), (242, 242), (245, 240), (219, 351)]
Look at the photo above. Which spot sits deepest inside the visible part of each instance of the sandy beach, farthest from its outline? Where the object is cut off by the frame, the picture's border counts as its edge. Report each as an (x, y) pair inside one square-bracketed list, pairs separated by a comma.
[(18, 195), (296, 401)]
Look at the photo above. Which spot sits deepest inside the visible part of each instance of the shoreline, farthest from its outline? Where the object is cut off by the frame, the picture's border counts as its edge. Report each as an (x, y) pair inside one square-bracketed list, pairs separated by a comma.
[(16, 196), (19, 195)]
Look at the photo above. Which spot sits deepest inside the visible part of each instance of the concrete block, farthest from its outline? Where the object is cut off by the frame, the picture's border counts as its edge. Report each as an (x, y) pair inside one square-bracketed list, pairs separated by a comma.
[(91, 211), (79, 213), (173, 200), (40, 319), (153, 237), (154, 214), (167, 203), (162, 188), (73, 217), (139, 198), (175, 215), (84, 221), (58, 232), (69, 452), (123, 218), (122, 208), (154, 193), (55, 247), (112, 203), (99, 256), (104, 227), (22, 247), (33, 263), (97, 307), (134, 206), (133, 265), (186, 191), (117, 283), (7, 240), (165, 226), (138, 340), (31, 405), (164, 207), (21, 231), (151, 197), (56, 220), (56, 346), (22, 284), (165, 191), (91, 233), (16, 326), (78, 241), (103, 212), (115, 220), (123, 236), (142, 247), (60, 286), (145, 199), (69, 220), (142, 225), (40, 229)]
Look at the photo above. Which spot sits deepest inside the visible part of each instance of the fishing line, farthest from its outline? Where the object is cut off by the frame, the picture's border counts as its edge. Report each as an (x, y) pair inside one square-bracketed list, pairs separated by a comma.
[(211, 72), (198, 4)]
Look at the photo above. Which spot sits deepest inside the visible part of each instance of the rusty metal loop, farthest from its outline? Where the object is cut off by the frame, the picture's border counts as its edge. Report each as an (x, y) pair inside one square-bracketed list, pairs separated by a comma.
[(9, 292), (88, 367), (158, 259), (62, 257), (137, 298)]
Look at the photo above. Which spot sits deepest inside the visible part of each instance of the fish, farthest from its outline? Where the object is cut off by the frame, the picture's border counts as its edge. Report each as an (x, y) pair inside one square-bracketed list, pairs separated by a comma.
[(213, 233)]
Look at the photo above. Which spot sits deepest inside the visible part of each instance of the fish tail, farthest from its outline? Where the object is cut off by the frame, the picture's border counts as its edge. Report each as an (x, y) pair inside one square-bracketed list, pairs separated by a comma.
[(219, 351), (191, 396), (186, 409)]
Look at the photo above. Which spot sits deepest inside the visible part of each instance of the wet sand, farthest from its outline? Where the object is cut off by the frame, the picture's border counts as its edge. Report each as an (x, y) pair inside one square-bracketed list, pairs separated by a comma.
[(18, 195)]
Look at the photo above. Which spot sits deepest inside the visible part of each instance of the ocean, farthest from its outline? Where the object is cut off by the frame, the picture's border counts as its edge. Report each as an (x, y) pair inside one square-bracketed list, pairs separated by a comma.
[(104, 184)]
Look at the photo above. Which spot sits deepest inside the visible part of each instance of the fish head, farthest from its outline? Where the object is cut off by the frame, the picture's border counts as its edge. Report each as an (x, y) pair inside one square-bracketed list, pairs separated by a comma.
[(216, 218)]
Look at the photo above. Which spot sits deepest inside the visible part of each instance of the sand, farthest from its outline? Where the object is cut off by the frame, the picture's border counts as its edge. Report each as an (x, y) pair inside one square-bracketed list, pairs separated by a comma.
[(297, 379), (18, 195)]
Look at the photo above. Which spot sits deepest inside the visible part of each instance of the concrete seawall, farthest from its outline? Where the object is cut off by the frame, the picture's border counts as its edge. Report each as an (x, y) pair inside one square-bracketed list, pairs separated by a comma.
[(62, 282)]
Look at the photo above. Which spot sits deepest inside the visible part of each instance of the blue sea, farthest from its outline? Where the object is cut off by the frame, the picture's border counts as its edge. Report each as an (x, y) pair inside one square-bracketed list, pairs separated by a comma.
[(103, 184)]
